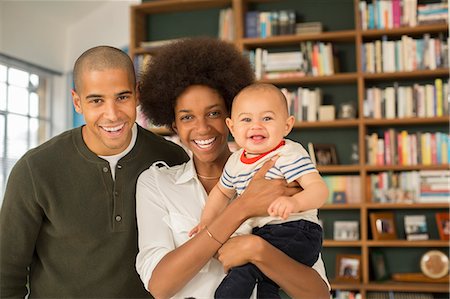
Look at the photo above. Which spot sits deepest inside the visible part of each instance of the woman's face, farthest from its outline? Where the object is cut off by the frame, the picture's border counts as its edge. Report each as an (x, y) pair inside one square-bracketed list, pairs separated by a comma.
[(200, 114)]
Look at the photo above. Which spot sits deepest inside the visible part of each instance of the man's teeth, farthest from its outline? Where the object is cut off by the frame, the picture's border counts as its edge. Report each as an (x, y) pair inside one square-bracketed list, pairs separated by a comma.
[(113, 129), (204, 143)]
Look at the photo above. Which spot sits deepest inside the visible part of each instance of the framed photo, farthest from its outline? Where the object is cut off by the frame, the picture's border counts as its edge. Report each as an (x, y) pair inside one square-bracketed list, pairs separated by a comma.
[(383, 226), (379, 265), (416, 227), (346, 230), (443, 225), (339, 197), (348, 267), (325, 154)]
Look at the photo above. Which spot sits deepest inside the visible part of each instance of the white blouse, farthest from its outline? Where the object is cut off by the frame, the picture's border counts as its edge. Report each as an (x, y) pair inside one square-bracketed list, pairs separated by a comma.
[(169, 202)]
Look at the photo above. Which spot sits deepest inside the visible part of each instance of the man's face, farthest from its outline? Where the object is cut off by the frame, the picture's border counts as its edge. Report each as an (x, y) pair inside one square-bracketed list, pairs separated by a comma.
[(107, 99)]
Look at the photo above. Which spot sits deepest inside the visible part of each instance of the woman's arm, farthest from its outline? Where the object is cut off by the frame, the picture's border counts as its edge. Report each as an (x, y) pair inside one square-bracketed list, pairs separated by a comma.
[(183, 263), (296, 279)]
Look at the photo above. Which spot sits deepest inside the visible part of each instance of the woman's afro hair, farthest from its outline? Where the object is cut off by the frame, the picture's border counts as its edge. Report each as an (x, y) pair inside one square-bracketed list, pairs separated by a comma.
[(191, 61)]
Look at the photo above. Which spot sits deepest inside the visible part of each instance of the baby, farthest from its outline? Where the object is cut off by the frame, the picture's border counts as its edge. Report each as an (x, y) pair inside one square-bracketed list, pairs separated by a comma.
[(259, 123)]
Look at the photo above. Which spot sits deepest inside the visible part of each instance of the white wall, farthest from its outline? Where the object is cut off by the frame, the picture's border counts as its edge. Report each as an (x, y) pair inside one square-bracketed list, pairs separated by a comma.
[(109, 25)]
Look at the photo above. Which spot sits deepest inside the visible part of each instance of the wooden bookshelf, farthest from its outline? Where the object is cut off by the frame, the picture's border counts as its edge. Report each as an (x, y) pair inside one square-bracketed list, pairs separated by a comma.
[(353, 75)]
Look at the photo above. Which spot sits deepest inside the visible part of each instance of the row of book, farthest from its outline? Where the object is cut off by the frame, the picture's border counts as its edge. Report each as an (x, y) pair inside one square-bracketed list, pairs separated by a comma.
[(398, 295), (402, 148), (405, 54), (424, 186), (312, 59), (226, 25), (387, 14), (269, 23), (418, 100), (343, 188), (304, 103)]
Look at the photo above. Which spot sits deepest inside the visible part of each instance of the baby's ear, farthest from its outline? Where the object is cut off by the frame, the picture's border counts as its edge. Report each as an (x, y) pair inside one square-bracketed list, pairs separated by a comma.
[(290, 121)]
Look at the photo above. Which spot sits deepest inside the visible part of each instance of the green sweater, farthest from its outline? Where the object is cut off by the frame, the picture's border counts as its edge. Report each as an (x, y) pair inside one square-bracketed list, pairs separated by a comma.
[(68, 227)]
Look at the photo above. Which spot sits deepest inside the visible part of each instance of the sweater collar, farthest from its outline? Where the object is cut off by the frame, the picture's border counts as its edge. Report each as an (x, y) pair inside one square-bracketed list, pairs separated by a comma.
[(91, 156)]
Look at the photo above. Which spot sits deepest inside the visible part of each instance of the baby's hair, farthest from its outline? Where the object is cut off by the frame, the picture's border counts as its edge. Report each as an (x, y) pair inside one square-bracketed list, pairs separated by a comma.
[(102, 58), (265, 87), (191, 61)]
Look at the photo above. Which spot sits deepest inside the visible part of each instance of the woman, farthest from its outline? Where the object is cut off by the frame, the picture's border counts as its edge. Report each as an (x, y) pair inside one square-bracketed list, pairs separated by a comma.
[(189, 86)]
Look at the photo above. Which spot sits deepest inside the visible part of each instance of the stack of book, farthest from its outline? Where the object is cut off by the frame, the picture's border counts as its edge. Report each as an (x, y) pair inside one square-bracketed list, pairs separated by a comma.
[(432, 13), (308, 28), (434, 186)]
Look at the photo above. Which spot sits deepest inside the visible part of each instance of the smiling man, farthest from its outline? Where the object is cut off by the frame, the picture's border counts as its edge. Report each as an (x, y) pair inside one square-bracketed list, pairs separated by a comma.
[(67, 224)]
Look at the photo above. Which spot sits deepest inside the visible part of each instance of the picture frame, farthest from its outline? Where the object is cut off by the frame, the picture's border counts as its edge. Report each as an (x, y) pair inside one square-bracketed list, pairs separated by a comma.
[(325, 154), (383, 226), (339, 197), (379, 265), (346, 230), (416, 227), (443, 225), (348, 267)]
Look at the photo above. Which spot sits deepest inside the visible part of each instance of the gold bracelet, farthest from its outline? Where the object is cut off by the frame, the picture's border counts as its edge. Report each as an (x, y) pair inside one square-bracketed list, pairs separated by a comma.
[(211, 236)]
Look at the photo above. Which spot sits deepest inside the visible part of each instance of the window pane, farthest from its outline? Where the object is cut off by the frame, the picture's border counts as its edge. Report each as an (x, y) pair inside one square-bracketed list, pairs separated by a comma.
[(18, 77), (2, 73), (2, 96), (2, 136), (17, 136), (34, 104), (34, 132), (34, 80), (18, 100)]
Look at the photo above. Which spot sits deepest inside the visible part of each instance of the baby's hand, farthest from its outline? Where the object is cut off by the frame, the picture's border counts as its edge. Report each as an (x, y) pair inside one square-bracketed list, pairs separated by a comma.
[(198, 228), (282, 207)]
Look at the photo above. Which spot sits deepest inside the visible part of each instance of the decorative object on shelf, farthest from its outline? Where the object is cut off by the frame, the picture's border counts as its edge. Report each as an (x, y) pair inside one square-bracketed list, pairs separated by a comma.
[(443, 225), (354, 156), (347, 111), (379, 265), (339, 197), (346, 230), (416, 227), (327, 113), (383, 226), (325, 154), (348, 267), (434, 264)]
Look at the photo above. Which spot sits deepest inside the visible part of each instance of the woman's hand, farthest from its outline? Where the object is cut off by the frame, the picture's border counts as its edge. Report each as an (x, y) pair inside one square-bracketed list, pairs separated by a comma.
[(261, 192), (237, 251)]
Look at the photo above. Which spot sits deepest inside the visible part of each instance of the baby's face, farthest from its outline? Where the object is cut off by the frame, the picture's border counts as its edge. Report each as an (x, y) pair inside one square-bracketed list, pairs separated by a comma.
[(259, 120)]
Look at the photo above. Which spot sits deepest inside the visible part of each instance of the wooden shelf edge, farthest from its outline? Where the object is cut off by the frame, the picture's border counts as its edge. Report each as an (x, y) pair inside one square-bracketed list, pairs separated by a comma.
[(392, 286), (406, 243), (407, 121), (154, 7), (438, 27), (406, 75)]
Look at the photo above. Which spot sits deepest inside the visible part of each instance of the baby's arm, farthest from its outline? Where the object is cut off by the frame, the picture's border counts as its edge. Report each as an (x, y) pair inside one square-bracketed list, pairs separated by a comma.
[(218, 199), (313, 196)]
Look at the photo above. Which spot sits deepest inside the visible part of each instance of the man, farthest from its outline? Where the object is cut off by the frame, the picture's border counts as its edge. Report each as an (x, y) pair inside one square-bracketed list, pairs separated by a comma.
[(67, 224)]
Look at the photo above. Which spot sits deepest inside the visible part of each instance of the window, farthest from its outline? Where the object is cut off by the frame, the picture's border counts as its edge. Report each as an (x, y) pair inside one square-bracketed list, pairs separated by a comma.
[(24, 112)]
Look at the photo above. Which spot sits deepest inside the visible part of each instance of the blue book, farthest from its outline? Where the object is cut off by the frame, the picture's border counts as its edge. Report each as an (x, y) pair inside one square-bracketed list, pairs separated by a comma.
[(251, 24)]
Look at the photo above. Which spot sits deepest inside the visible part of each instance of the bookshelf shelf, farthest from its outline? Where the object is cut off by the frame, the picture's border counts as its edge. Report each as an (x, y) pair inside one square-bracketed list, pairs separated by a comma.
[(405, 243), (339, 123), (353, 81), (396, 32), (332, 243), (415, 205), (282, 40), (419, 74), (369, 168), (314, 80), (407, 121)]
